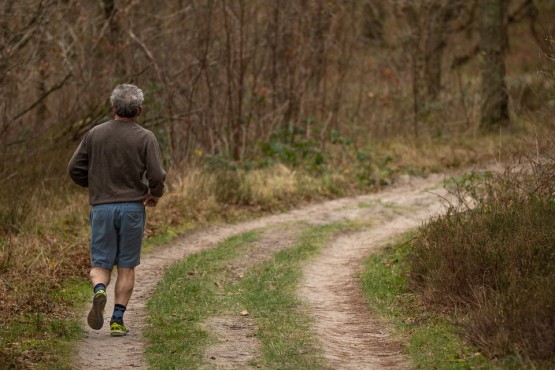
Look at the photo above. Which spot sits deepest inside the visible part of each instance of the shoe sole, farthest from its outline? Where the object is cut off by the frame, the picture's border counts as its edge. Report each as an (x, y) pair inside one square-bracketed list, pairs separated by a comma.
[(118, 333), (95, 318)]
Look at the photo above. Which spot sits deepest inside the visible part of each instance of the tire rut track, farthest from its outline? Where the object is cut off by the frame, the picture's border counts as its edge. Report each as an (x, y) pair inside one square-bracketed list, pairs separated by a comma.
[(351, 336)]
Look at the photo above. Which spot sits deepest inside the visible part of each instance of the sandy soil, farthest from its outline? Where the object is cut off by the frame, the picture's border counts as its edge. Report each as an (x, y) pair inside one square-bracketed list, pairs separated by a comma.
[(342, 322), (236, 343)]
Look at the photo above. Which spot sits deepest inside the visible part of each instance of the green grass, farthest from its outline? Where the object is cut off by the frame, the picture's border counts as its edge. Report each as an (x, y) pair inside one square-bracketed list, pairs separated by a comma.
[(185, 297), (433, 341), (199, 288), (435, 345), (46, 341), (170, 234), (269, 294)]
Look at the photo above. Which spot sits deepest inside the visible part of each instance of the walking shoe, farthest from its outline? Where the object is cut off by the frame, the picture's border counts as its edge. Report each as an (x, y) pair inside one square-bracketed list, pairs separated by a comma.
[(117, 329), (95, 318)]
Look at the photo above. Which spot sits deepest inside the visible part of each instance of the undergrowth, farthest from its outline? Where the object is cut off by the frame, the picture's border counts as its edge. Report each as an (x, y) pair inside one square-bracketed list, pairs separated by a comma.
[(43, 338), (490, 261), (431, 339)]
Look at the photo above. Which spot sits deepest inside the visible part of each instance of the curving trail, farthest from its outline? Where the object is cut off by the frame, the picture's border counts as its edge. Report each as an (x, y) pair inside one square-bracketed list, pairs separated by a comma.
[(351, 337), (341, 320)]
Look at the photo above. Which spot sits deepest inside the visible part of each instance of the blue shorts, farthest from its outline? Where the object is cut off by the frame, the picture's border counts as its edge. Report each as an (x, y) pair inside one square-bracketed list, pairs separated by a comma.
[(116, 234)]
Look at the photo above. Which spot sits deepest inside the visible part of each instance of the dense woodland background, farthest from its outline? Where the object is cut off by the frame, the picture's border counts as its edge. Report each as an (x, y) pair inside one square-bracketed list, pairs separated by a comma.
[(259, 105), (222, 77)]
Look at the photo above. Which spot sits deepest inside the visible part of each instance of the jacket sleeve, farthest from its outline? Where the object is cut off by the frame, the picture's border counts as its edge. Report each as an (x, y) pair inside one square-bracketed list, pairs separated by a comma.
[(78, 167), (155, 173)]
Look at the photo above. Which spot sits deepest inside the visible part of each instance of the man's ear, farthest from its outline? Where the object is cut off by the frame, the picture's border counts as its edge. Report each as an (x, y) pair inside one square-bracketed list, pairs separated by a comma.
[(113, 110), (140, 110)]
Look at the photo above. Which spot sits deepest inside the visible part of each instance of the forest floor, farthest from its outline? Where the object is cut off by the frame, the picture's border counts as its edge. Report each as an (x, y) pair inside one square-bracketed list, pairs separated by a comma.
[(350, 336)]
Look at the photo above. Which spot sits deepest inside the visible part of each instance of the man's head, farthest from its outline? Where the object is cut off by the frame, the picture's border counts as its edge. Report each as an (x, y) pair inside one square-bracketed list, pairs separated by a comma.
[(126, 100)]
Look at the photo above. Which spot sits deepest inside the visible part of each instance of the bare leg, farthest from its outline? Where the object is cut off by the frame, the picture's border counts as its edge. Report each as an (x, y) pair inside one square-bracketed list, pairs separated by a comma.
[(124, 285), (100, 275)]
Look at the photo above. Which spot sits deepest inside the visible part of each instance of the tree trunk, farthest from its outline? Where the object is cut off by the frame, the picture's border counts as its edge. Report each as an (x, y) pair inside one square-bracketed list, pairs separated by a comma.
[(434, 47), (494, 108), (115, 40), (374, 16)]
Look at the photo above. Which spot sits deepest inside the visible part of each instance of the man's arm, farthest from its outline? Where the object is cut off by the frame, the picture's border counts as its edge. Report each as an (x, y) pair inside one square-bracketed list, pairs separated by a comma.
[(78, 167), (155, 173)]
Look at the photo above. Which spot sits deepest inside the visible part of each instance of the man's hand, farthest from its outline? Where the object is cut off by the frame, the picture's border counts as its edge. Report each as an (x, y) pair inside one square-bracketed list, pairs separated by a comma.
[(150, 200)]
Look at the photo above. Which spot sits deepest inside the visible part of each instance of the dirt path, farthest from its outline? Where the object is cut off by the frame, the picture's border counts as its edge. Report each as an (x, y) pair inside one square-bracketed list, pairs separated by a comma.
[(351, 337), (99, 351)]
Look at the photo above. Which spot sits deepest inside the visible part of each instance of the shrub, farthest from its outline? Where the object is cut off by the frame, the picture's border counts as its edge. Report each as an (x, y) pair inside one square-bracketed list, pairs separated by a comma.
[(494, 262)]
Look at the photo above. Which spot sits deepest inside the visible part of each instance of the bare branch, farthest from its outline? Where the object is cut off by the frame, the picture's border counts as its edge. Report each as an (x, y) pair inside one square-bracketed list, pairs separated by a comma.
[(46, 94)]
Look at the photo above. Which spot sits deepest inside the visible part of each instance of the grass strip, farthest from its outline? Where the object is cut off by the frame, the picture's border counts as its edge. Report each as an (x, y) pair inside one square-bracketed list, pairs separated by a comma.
[(189, 293), (432, 340), (269, 294), (199, 288), (46, 340)]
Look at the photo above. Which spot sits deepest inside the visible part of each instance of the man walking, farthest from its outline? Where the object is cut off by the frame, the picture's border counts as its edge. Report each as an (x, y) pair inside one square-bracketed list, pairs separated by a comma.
[(120, 163)]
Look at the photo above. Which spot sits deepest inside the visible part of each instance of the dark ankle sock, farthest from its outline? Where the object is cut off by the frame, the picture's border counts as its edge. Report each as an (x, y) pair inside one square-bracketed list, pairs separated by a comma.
[(118, 315), (99, 286)]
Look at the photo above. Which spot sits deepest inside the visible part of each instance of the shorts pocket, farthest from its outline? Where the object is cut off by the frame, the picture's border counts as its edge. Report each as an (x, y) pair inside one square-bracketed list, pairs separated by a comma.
[(135, 218), (100, 217)]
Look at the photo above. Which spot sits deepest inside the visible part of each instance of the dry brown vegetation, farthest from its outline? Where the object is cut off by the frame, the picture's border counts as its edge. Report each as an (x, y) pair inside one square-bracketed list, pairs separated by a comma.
[(495, 268), (258, 106)]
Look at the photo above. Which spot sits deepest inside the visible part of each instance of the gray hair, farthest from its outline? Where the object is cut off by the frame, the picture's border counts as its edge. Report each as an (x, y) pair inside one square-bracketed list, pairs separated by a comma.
[(126, 100)]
